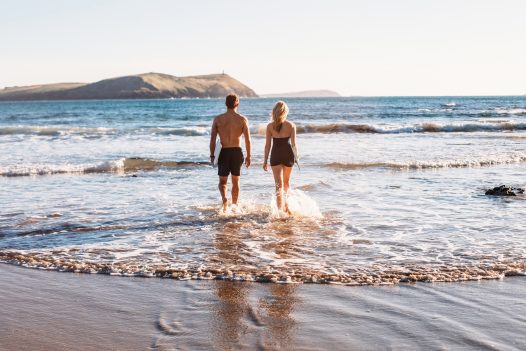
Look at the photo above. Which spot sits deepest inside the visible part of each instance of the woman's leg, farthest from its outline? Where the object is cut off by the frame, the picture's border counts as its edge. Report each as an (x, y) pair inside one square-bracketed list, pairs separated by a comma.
[(278, 180), (287, 172)]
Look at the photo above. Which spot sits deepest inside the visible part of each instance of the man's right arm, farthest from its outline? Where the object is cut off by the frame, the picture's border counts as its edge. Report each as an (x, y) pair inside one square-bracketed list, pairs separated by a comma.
[(248, 142), (213, 137)]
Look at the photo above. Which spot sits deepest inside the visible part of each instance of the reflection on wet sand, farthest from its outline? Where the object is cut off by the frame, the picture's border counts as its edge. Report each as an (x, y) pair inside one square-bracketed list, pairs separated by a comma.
[(228, 324), (242, 312), (279, 305)]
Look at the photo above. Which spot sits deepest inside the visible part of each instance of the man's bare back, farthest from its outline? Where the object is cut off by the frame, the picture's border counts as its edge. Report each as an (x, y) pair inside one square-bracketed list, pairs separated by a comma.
[(230, 126)]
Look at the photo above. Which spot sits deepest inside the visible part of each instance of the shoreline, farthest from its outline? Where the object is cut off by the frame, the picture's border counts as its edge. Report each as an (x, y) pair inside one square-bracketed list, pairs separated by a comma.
[(394, 276), (44, 310)]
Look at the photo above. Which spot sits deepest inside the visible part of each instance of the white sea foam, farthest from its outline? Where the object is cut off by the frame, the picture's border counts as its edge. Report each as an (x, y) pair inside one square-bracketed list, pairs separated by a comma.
[(112, 166), (511, 111), (299, 203), (55, 131), (188, 131), (47, 169), (519, 157), (487, 126)]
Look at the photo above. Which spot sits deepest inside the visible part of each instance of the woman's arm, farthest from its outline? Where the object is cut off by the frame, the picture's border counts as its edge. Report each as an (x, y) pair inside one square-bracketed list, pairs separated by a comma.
[(268, 142), (293, 135), (293, 143)]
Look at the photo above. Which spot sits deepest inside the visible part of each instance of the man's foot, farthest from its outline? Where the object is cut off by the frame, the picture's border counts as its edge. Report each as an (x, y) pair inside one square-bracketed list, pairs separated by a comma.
[(235, 208), (287, 210)]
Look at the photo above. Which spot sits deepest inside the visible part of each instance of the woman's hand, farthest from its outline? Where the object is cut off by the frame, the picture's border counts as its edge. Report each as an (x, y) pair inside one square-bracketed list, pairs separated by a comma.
[(265, 167)]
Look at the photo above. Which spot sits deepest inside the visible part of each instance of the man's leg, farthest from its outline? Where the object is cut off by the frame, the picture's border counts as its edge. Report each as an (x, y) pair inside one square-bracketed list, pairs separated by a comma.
[(222, 190), (235, 189)]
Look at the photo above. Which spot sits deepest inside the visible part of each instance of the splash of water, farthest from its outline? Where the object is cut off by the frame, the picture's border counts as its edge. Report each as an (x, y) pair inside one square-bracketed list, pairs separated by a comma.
[(300, 205)]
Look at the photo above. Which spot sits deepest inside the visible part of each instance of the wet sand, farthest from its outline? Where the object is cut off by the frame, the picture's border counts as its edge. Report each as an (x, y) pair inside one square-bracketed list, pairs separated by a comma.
[(48, 310)]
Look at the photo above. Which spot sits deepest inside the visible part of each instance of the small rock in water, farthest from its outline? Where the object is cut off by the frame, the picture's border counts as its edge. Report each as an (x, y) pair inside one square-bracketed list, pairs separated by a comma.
[(504, 190)]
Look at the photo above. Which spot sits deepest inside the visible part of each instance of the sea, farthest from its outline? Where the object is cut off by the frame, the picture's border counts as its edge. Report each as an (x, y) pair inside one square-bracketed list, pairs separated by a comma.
[(388, 190)]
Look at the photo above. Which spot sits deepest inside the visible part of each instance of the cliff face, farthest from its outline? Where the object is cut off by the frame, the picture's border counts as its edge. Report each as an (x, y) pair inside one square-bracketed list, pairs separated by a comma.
[(142, 86)]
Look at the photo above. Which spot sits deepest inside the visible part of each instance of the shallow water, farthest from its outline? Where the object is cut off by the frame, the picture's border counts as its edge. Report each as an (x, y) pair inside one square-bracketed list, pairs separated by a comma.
[(389, 190)]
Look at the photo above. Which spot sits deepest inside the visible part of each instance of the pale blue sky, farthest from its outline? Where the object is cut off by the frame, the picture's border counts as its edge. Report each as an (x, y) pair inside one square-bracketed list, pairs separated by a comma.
[(390, 47)]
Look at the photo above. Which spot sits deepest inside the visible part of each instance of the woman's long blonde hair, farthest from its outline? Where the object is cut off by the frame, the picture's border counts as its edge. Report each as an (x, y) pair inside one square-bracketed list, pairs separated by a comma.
[(279, 114)]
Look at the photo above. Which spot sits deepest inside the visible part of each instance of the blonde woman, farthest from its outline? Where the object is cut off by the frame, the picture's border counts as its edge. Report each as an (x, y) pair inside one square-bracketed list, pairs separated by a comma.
[(279, 133)]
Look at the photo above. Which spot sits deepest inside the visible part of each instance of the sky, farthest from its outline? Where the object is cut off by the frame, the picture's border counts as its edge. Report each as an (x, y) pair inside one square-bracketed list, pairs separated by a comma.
[(364, 48)]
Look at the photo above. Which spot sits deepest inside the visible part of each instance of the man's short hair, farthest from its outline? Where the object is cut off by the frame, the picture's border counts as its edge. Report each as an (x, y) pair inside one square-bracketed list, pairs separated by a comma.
[(232, 101)]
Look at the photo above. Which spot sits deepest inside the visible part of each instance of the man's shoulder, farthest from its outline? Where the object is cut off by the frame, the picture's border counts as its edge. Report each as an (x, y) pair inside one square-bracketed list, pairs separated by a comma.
[(242, 118), (220, 117)]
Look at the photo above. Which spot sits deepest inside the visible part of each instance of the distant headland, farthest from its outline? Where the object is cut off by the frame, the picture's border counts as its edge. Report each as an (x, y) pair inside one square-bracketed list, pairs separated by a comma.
[(140, 86), (306, 93)]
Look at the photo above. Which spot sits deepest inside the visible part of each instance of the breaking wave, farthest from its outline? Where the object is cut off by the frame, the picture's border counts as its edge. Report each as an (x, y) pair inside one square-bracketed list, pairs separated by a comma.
[(54, 131), (482, 125), (419, 128), (57, 131), (136, 164), (116, 166), (509, 111), (466, 163)]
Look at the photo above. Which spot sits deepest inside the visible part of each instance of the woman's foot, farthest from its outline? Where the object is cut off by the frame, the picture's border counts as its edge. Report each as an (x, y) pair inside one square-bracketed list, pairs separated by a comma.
[(287, 210)]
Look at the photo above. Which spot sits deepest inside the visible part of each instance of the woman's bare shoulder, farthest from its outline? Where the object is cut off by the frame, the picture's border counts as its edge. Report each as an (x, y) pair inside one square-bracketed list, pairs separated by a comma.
[(290, 124)]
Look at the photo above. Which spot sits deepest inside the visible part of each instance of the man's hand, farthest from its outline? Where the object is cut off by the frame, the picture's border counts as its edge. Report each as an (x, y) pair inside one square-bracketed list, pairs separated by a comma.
[(212, 160), (247, 161), (265, 167)]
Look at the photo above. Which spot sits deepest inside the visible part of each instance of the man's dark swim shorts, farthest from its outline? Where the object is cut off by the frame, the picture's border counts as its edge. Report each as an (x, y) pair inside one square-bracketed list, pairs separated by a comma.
[(230, 161)]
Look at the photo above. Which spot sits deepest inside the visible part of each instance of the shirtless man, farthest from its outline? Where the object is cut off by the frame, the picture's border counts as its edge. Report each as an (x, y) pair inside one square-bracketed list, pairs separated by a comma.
[(230, 126)]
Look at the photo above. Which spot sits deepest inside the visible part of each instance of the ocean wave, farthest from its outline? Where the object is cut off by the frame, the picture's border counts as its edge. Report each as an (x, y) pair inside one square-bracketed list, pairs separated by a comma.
[(419, 128), (466, 163), (57, 131), (122, 165), (511, 111), (188, 131), (499, 112), (54, 130), (481, 125)]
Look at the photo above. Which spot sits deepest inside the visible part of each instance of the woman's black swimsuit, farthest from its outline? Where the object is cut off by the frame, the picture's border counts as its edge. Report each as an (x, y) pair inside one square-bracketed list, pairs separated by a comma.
[(281, 153)]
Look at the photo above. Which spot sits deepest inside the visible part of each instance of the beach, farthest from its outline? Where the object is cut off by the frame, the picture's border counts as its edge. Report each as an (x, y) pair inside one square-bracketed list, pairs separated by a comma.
[(340, 175), (111, 234), (47, 310)]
